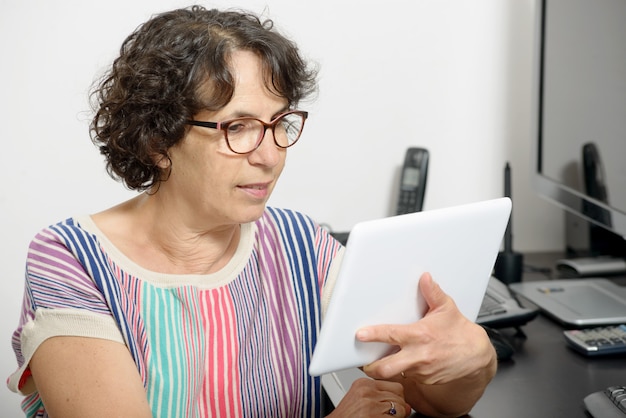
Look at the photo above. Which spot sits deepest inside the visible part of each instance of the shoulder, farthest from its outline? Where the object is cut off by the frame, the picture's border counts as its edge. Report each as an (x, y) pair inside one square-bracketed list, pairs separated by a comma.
[(286, 223), (65, 242), (58, 234), (286, 217), (296, 230)]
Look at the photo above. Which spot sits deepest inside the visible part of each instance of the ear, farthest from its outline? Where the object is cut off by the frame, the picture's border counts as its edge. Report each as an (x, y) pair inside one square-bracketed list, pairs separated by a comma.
[(162, 161)]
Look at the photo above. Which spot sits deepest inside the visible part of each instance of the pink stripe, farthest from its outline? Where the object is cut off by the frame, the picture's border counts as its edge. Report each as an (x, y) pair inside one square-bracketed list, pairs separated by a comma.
[(324, 241), (218, 312)]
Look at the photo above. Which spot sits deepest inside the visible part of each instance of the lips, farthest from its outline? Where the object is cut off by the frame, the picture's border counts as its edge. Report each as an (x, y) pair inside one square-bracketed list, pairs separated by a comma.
[(256, 190), (255, 186)]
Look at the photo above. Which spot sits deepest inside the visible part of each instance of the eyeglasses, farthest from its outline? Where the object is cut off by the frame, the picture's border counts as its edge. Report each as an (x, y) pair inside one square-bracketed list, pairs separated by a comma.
[(244, 135)]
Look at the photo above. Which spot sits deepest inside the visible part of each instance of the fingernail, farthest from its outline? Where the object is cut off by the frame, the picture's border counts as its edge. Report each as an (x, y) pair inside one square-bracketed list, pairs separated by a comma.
[(362, 334)]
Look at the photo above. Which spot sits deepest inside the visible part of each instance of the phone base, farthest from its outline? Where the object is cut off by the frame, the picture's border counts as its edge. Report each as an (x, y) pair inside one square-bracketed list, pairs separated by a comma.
[(509, 267)]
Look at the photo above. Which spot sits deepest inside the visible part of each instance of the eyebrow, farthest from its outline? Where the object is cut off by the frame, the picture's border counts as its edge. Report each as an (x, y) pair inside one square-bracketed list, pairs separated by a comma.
[(242, 114)]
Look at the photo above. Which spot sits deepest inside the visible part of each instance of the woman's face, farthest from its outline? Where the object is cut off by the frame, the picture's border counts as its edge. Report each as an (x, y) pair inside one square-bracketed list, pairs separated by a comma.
[(209, 182)]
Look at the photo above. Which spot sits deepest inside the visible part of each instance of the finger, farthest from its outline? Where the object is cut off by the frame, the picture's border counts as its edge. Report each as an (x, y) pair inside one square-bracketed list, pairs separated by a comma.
[(378, 389), (395, 408), (390, 367), (433, 294), (366, 387), (390, 334)]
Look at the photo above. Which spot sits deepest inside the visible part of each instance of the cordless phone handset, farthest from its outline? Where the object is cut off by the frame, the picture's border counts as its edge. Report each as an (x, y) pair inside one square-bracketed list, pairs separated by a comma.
[(413, 181)]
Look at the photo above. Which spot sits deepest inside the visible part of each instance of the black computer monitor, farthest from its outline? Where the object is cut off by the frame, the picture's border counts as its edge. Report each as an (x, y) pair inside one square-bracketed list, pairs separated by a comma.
[(579, 113)]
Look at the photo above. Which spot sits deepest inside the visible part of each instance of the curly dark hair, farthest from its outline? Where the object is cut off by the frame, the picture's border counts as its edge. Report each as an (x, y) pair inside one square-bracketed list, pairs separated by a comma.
[(170, 68)]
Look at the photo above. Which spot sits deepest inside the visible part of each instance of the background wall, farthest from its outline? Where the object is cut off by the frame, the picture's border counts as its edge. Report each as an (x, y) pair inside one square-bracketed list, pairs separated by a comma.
[(449, 75)]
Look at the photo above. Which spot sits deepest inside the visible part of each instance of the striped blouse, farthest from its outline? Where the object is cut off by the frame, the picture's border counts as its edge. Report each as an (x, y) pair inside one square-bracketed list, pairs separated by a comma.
[(236, 343)]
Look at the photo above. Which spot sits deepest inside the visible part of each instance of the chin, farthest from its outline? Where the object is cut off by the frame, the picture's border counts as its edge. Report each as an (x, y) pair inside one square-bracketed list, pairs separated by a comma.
[(252, 214)]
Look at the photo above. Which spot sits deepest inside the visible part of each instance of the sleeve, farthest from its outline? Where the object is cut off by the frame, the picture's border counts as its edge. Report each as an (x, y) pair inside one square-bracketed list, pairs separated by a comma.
[(330, 254), (60, 298), (331, 278)]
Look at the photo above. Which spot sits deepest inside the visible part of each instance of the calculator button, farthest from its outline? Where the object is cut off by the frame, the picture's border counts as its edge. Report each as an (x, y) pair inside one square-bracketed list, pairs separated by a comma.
[(596, 341)]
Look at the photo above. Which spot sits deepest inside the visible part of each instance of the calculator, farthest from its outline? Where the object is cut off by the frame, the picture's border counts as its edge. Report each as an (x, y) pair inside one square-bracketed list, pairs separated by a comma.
[(597, 341)]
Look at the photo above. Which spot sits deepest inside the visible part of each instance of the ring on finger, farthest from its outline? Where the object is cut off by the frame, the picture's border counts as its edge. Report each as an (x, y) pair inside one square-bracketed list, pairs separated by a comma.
[(392, 409)]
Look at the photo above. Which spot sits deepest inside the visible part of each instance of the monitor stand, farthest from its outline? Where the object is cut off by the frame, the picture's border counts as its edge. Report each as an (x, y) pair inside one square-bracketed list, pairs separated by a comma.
[(591, 266), (591, 251)]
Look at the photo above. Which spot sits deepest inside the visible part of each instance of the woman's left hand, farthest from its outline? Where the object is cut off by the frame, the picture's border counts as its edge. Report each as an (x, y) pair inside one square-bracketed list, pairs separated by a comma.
[(441, 357)]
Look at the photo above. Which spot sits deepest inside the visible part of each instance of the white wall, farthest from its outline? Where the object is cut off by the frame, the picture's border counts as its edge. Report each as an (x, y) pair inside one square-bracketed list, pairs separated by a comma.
[(449, 75)]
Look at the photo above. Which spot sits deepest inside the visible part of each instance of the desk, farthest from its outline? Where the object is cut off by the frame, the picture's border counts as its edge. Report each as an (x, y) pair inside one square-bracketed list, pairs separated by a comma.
[(545, 378)]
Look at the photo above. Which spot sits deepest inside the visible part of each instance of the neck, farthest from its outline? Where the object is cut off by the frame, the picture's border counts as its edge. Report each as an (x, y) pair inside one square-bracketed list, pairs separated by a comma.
[(160, 241)]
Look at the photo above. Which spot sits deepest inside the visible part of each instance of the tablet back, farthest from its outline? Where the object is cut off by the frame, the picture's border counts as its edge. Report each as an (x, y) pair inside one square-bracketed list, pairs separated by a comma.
[(384, 259)]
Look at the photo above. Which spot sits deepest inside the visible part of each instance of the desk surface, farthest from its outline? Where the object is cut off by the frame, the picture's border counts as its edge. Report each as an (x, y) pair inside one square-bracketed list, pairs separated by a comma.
[(545, 378)]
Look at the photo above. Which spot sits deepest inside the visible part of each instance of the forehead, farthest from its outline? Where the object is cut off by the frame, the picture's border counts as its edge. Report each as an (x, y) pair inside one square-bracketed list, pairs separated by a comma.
[(253, 90), (249, 72)]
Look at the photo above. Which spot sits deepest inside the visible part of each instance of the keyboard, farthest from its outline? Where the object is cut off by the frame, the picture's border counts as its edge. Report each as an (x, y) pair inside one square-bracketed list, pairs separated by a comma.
[(499, 309), (608, 403), (492, 304)]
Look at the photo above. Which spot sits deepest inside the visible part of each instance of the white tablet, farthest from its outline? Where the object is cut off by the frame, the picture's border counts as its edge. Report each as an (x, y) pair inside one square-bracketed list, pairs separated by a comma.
[(383, 261)]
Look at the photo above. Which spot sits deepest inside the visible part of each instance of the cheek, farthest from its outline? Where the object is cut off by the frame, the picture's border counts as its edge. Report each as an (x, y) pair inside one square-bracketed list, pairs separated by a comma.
[(281, 166), (204, 173), (188, 168)]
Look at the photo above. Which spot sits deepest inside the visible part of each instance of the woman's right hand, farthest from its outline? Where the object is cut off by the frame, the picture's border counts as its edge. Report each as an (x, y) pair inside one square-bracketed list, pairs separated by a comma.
[(372, 398)]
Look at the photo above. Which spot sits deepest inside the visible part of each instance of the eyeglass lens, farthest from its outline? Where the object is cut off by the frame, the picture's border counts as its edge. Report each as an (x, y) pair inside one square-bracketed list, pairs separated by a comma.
[(245, 134)]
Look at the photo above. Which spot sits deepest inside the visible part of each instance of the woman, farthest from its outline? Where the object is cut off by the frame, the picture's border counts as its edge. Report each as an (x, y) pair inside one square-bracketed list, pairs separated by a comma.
[(194, 299)]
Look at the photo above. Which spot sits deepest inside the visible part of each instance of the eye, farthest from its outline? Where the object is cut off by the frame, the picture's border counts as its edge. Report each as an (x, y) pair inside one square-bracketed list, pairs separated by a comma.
[(237, 127)]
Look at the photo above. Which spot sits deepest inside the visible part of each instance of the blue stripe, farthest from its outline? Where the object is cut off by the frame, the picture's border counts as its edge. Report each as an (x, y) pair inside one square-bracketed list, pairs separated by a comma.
[(85, 248), (301, 252)]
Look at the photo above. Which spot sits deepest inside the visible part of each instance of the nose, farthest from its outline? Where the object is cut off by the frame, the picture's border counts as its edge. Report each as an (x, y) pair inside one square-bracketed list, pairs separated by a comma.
[(268, 153)]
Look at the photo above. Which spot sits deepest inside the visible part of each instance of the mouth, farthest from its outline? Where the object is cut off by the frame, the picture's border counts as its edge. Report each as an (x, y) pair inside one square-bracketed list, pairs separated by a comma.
[(256, 190)]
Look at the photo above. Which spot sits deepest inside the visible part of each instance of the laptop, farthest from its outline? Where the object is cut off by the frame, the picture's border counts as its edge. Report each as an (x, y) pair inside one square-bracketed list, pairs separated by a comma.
[(576, 302), (378, 278), (500, 309)]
